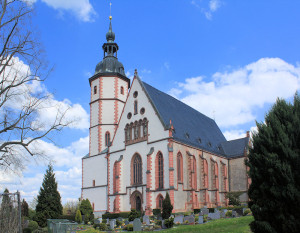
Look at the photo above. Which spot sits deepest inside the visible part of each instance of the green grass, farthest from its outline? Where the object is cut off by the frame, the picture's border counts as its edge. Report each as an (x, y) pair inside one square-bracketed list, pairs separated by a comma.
[(237, 225), (228, 225)]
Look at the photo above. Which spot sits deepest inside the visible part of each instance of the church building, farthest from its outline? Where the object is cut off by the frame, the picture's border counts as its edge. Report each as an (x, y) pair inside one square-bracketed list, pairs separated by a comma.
[(145, 143)]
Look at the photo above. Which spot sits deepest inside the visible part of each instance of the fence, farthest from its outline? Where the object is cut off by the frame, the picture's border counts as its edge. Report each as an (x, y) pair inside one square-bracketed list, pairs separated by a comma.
[(10, 213)]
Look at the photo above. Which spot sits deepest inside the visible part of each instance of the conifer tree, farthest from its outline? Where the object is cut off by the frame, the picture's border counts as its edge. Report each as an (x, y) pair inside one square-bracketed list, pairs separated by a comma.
[(166, 207), (86, 210), (78, 217), (24, 208), (274, 162), (48, 201)]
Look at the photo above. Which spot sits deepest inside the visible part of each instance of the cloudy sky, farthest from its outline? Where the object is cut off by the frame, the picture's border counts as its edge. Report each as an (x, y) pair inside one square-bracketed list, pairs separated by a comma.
[(228, 59)]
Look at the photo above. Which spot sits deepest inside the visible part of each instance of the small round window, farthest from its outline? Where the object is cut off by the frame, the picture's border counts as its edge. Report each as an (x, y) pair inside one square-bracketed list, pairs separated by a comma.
[(142, 111), (129, 115), (135, 94)]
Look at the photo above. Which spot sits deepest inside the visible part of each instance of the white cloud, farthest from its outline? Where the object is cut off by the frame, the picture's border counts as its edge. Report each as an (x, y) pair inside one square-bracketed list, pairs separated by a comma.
[(49, 108), (235, 95), (234, 134), (207, 10), (82, 9), (67, 168), (145, 71)]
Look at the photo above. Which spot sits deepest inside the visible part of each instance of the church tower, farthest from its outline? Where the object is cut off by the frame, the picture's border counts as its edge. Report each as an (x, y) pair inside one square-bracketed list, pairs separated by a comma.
[(109, 89)]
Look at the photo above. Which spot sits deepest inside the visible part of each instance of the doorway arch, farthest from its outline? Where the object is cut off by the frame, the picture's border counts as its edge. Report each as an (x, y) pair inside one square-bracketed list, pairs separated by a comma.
[(136, 201)]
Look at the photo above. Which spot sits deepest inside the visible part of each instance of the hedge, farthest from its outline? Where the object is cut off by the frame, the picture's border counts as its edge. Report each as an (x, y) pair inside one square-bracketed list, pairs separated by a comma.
[(115, 215)]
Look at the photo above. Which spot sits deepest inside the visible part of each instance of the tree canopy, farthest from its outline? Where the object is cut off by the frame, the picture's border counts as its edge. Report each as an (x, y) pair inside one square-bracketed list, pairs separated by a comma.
[(274, 169), (48, 201)]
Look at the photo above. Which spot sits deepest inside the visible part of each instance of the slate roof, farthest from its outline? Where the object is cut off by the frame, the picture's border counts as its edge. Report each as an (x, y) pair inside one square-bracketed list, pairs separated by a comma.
[(192, 127), (235, 148)]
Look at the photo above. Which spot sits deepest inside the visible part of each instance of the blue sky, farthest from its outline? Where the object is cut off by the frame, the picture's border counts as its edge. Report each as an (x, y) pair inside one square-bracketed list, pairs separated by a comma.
[(228, 59)]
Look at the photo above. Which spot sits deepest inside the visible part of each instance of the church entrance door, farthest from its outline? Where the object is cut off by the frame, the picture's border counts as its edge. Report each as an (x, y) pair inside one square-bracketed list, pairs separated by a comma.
[(138, 203)]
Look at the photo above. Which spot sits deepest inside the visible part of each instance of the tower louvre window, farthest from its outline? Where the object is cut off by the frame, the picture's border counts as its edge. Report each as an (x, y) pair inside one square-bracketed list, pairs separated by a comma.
[(95, 90), (122, 90)]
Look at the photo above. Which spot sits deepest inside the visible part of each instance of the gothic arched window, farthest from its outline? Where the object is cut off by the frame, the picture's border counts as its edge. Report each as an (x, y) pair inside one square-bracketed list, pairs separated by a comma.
[(159, 201), (115, 178), (160, 171), (179, 168), (145, 128), (136, 169), (107, 138), (194, 173)]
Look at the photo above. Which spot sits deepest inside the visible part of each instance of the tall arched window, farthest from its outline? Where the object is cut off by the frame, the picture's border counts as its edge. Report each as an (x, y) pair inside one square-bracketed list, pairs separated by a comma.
[(159, 171), (136, 169), (116, 177), (159, 201), (179, 168), (107, 138), (204, 173), (194, 173), (145, 128), (135, 107)]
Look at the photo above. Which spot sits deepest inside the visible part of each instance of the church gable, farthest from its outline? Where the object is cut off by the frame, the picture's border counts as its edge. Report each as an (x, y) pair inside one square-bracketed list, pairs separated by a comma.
[(139, 120)]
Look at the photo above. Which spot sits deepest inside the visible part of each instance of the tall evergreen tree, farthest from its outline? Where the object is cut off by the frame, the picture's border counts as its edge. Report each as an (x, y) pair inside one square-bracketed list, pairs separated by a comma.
[(166, 207), (86, 209), (48, 201), (274, 162), (24, 208)]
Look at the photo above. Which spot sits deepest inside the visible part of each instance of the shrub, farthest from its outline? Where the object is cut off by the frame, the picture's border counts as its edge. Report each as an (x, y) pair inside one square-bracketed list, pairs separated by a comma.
[(234, 198), (102, 227), (205, 218), (247, 211), (196, 218), (211, 210), (158, 223), (228, 213), (166, 207), (128, 227), (33, 225), (96, 225), (118, 223), (197, 211), (169, 222), (27, 230), (186, 222), (115, 215), (156, 227), (133, 215), (78, 217), (104, 220), (156, 212)]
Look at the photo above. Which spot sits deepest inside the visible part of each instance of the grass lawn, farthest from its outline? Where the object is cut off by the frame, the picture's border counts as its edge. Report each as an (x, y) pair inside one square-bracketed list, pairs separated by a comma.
[(231, 225), (238, 225)]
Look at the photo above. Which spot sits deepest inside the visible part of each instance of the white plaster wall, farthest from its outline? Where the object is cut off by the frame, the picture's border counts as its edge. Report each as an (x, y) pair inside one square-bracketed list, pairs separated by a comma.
[(108, 87), (94, 141), (155, 127), (95, 83), (108, 110), (94, 168), (94, 113), (97, 196)]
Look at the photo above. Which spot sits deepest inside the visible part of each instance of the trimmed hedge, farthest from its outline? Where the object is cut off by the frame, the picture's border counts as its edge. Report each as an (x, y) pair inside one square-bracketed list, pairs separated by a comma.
[(156, 212), (69, 217), (196, 211), (116, 215)]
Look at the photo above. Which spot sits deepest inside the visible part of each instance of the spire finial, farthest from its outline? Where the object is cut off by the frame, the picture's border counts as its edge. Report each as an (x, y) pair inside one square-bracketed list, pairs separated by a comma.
[(110, 17)]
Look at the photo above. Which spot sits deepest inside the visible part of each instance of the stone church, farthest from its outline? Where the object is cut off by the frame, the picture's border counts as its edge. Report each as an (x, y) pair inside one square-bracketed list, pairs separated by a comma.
[(145, 143)]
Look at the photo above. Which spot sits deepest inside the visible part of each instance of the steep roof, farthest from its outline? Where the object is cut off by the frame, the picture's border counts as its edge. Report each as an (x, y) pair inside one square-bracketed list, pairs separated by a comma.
[(191, 127), (235, 148)]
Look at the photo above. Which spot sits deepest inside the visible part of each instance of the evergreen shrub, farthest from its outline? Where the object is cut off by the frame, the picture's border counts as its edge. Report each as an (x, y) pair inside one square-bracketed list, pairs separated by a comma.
[(166, 207), (169, 222), (197, 211)]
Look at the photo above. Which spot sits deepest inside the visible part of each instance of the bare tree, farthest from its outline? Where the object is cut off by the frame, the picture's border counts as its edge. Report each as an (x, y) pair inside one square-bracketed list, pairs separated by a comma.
[(22, 98)]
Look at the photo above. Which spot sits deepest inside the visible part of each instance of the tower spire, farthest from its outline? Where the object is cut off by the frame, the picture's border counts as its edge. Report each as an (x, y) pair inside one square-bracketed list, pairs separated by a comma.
[(110, 36)]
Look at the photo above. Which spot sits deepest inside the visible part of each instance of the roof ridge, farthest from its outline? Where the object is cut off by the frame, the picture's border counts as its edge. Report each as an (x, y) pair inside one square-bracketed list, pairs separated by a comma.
[(179, 101)]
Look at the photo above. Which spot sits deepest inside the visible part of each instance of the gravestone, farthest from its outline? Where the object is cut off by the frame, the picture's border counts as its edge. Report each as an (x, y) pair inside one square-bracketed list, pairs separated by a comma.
[(239, 212), (126, 222), (200, 213), (112, 224), (190, 219), (163, 226), (234, 214), (215, 215), (205, 211), (200, 220), (225, 210), (131, 222), (179, 219), (137, 225), (146, 219), (222, 214)]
